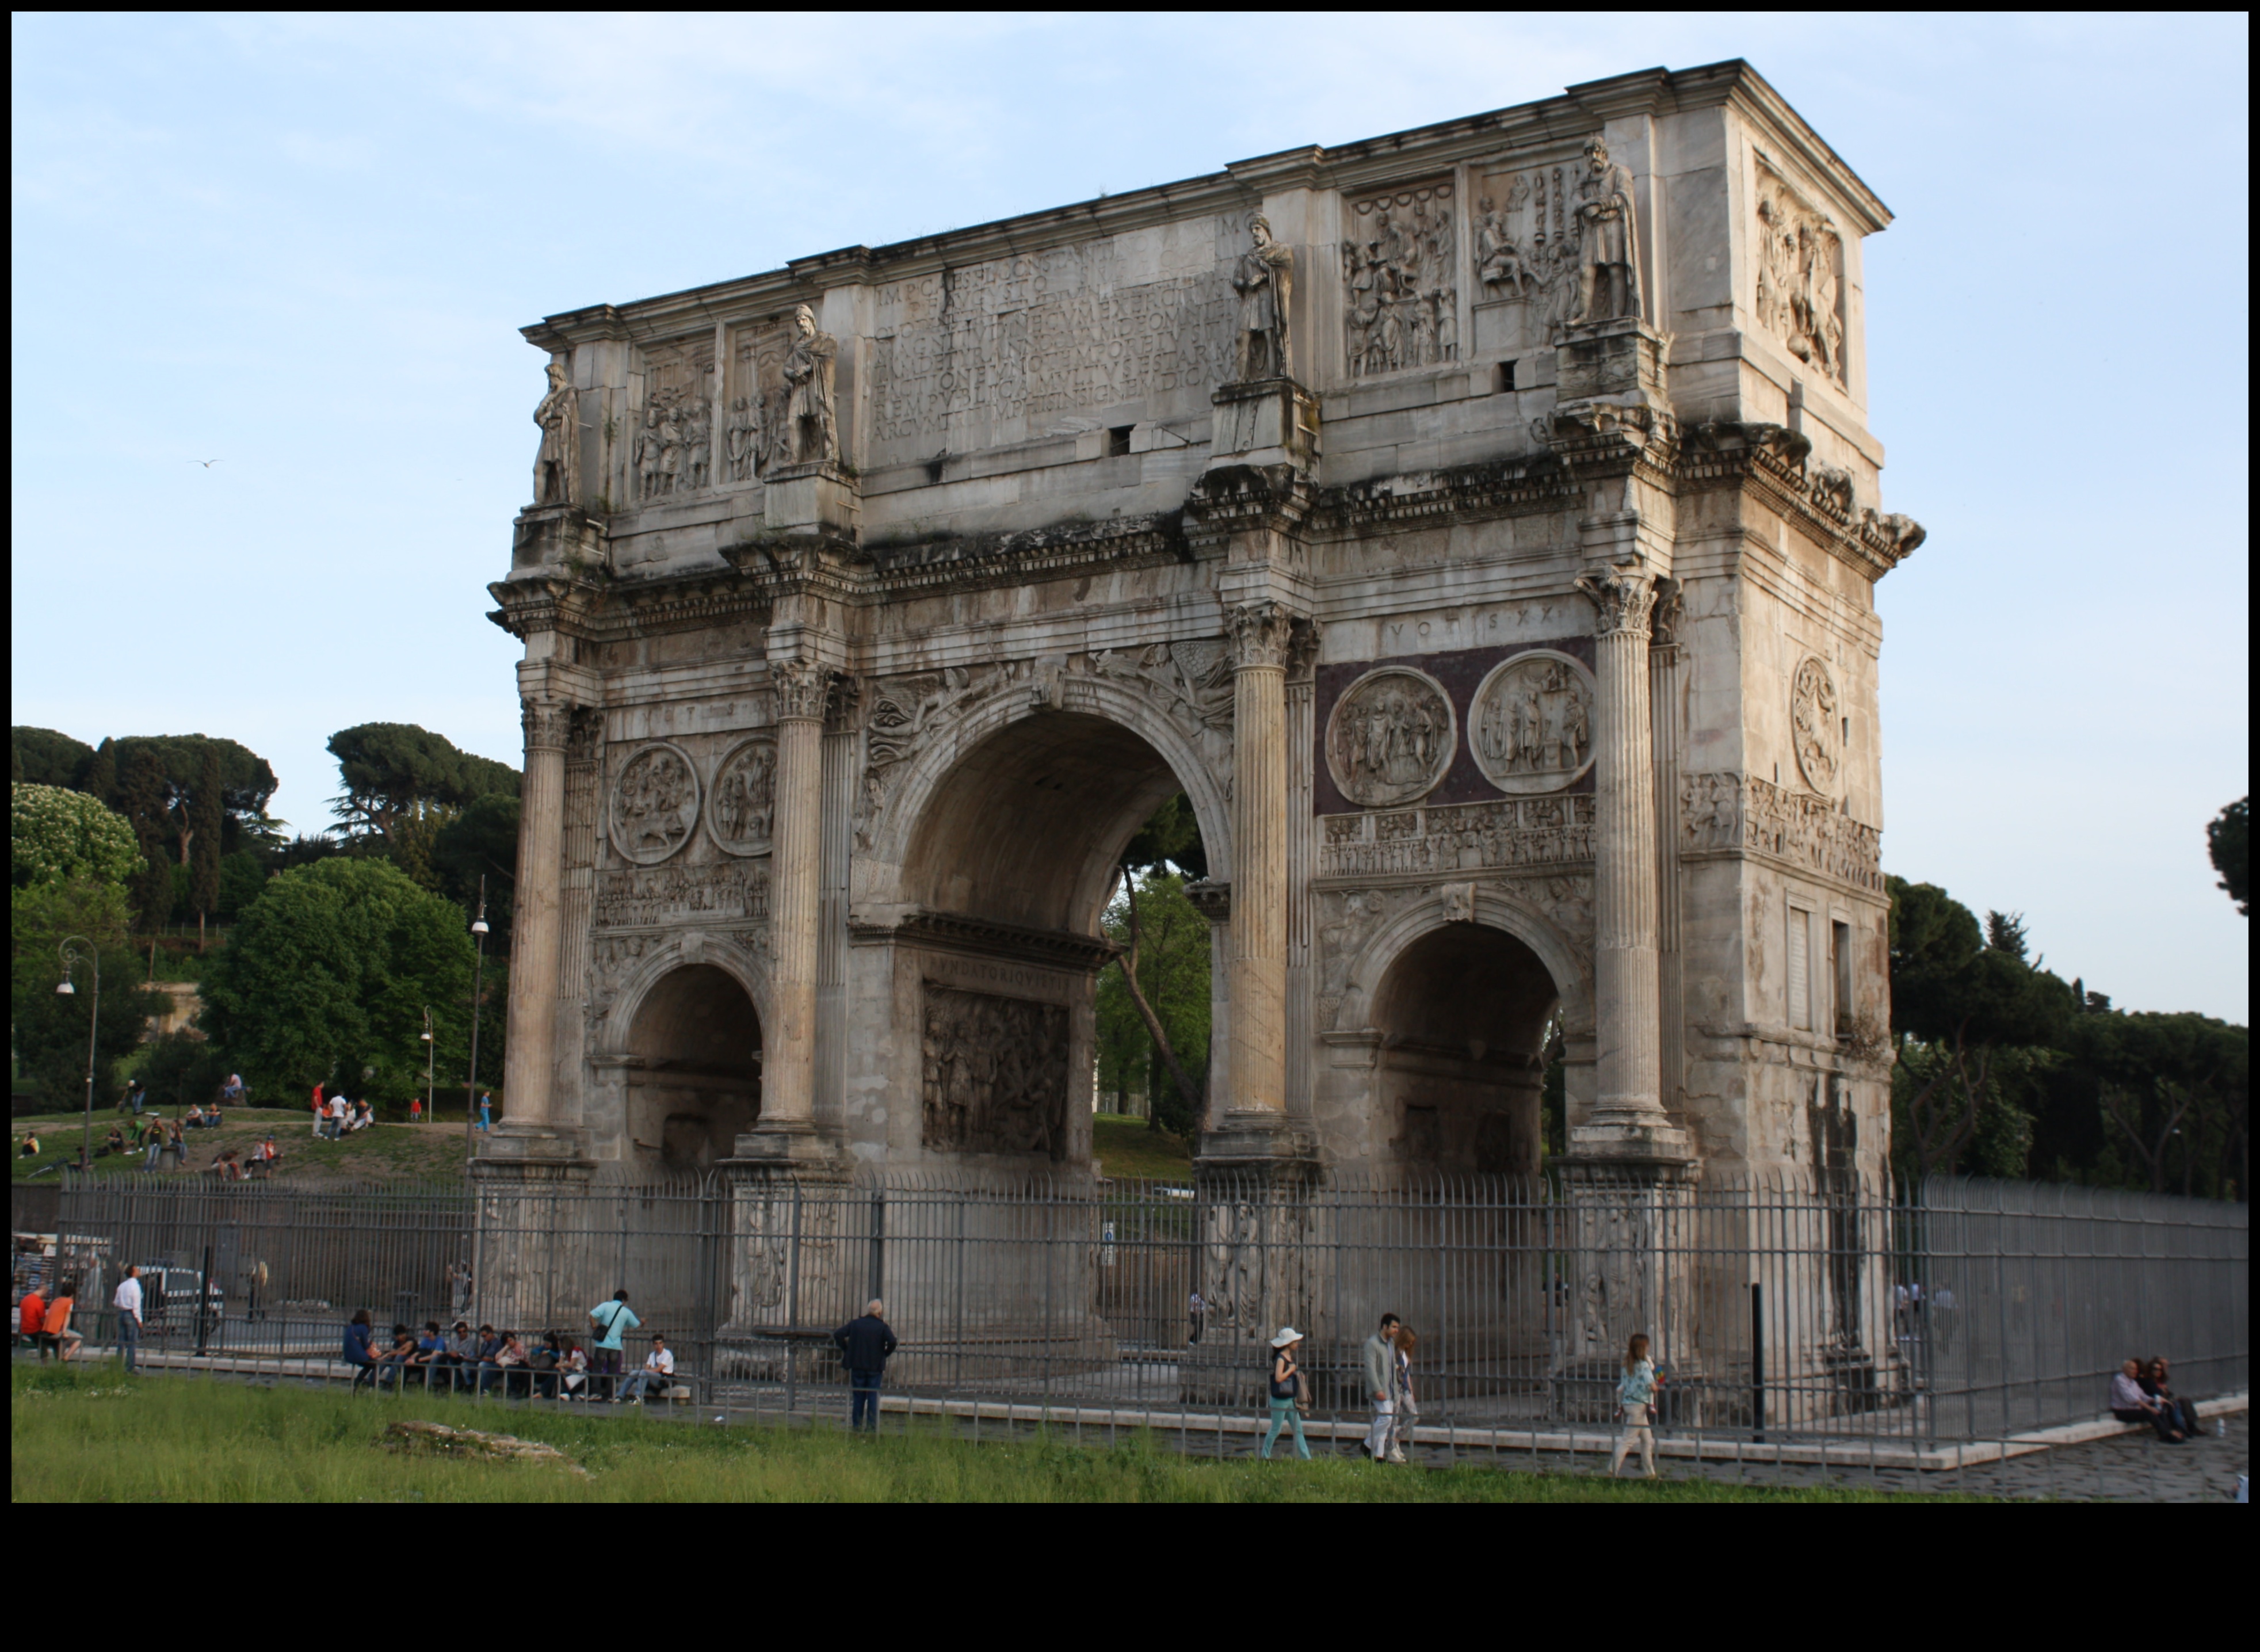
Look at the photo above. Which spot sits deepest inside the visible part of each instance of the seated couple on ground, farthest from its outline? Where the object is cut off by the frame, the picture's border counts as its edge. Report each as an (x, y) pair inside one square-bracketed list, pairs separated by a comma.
[(2143, 1393)]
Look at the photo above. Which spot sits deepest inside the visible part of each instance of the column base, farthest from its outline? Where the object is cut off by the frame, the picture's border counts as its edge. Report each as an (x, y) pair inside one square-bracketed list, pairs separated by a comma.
[(792, 1145), (1632, 1142), (1259, 1141), (533, 1152)]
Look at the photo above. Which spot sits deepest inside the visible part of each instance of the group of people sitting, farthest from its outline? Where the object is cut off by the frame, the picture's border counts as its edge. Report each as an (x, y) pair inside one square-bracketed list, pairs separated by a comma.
[(487, 1360), (46, 1323), (232, 1167), (2143, 1392), (335, 1118)]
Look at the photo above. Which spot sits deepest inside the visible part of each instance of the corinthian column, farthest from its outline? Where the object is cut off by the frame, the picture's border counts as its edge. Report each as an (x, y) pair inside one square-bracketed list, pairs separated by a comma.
[(796, 872), (1256, 1072), (529, 1064), (1627, 1117)]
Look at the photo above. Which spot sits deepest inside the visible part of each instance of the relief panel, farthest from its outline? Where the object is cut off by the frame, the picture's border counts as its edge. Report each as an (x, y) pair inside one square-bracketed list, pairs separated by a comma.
[(1525, 256), (1390, 737), (671, 451), (1531, 728), (1401, 301), (993, 1073), (1728, 810), (1800, 277), (742, 808), (654, 804)]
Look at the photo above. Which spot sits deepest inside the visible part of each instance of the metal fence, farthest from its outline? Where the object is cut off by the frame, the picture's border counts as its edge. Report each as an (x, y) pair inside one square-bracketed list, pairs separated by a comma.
[(1778, 1308)]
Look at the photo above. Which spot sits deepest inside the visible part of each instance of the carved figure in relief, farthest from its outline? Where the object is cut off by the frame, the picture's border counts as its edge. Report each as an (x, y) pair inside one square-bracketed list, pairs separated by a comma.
[(1813, 724), (1799, 296), (654, 804), (738, 440), (809, 367), (1389, 738), (1608, 258), (1264, 278), (670, 447), (556, 466), (698, 444), (647, 455), (1532, 723), (744, 805), (1401, 309), (993, 1073), (1500, 260)]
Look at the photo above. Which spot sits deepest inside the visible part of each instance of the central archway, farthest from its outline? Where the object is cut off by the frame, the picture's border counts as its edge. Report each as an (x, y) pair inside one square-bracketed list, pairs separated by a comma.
[(694, 1073)]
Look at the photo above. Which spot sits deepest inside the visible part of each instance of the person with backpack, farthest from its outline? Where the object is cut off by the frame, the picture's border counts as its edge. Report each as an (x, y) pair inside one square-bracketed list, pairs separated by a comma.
[(611, 1321), (1287, 1391)]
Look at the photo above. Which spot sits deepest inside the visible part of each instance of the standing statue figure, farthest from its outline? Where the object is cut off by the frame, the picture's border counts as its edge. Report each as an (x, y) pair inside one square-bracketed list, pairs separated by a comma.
[(1608, 258), (556, 468), (1264, 278), (810, 433), (646, 455), (738, 439), (699, 443)]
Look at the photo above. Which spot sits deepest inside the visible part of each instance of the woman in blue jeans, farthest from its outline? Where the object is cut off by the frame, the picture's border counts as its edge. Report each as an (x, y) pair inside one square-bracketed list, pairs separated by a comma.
[(1286, 1391)]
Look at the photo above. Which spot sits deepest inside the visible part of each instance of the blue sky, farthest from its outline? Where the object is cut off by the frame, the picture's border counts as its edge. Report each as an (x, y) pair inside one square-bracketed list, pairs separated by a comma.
[(303, 247)]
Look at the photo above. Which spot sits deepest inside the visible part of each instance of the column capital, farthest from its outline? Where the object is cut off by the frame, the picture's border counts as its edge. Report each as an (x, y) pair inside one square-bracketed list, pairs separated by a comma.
[(1262, 634), (1302, 638), (801, 688), (1625, 594), (548, 724)]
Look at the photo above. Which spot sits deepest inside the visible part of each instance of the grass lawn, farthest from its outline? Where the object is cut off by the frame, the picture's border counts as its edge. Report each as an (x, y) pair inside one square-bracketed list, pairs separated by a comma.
[(381, 1153), (1127, 1148), (95, 1435)]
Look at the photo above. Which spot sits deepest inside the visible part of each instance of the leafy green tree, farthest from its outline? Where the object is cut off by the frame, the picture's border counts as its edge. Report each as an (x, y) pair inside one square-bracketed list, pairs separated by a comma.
[(141, 798), (1159, 987), (61, 837), (328, 973), (242, 875), (394, 771), (169, 800), (51, 1029), (207, 813), (2176, 1091), (1964, 1002), (45, 757), (481, 842), (2228, 842)]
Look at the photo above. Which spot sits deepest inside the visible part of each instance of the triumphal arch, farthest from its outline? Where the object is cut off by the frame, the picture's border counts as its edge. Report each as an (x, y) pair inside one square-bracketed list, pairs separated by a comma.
[(1477, 525)]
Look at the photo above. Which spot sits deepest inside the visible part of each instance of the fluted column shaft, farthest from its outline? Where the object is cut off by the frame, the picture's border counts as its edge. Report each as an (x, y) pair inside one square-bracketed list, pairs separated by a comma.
[(528, 1065), (1626, 976), (1256, 1073), (1664, 673), (796, 896)]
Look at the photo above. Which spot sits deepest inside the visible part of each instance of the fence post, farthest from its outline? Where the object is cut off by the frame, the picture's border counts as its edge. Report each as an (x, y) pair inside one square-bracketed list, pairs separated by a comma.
[(1758, 1363)]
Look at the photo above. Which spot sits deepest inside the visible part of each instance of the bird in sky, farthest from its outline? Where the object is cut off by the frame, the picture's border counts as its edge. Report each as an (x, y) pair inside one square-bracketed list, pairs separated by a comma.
[(206, 463)]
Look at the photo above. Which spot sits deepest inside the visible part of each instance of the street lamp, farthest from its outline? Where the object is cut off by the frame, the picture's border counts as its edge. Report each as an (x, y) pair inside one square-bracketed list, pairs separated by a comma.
[(431, 1095), (478, 984), (72, 958)]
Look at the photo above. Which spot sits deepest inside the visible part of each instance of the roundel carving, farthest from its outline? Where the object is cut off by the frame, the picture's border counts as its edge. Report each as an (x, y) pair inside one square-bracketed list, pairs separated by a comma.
[(654, 804), (1813, 724), (1390, 737), (742, 806), (1531, 725)]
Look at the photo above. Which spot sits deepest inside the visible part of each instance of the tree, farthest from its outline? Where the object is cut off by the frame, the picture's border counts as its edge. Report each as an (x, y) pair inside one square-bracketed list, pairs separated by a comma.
[(64, 837), (206, 815), (481, 842), (1160, 985), (242, 877), (181, 770), (2176, 1090), (51, 1029), (47, 758), (327, 975), (395, 772), (141, 798), (1966, 1002), (2227, 841)]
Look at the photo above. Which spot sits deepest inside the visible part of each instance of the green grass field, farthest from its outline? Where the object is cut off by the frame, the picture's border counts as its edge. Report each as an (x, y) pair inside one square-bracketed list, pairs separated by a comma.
[(1127, 1150), (95, 1435), (381, 1153)]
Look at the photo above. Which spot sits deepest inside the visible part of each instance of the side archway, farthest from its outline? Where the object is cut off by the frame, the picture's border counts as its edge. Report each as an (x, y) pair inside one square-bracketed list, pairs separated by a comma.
[(684, 1041)]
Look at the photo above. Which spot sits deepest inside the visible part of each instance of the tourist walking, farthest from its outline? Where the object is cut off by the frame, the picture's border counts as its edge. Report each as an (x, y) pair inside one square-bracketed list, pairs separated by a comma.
[(1408, 1405), (1195, 1312), (128, 1303), (1379, 1359), (1286, 1386), (864, 1345), (1636, 1399), (486, 1112), (612, 1322), (657, 1376)]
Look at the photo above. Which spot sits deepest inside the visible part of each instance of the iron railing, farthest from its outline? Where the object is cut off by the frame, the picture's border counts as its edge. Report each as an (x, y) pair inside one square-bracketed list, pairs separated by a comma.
[(1785, 1307)]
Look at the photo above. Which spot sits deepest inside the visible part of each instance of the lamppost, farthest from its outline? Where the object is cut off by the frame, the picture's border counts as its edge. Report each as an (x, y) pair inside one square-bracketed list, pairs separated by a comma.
[(431, 1095), (72, 958), (478, 985)]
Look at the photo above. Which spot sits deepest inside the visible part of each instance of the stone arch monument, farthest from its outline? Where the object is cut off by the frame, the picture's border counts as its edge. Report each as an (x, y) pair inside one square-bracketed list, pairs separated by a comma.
[(1479, 526)]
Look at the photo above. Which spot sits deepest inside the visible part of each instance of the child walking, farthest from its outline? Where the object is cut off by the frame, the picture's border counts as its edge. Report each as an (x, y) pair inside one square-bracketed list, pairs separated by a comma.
[(1636, 1395)]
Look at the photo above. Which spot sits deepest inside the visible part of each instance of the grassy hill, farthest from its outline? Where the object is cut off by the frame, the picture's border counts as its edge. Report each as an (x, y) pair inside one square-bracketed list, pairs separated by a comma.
[(381, 1153)]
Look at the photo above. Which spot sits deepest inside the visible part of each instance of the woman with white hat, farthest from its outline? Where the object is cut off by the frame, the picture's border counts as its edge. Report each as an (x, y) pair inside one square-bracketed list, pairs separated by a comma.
[(1286, 1390)]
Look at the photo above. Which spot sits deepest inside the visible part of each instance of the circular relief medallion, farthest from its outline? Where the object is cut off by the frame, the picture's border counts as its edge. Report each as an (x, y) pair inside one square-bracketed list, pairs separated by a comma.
[(743, 803), (1531, 727), (654, 804), (1390, 737), (1814, 726)]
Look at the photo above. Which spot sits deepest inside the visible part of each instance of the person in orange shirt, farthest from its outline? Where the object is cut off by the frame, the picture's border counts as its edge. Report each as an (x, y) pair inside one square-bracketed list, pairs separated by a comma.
[(31, 1314), (65, 1340)]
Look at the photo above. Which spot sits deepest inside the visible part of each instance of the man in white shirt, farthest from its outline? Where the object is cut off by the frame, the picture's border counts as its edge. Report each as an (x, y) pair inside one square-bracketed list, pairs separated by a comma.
[(128, 1303), (337, 1108), (657, 1375)]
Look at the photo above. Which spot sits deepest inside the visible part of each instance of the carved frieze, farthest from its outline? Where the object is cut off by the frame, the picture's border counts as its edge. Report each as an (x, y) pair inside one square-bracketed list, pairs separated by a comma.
[(1459, 837), (993, 1073), (1814, 726), (755, 435), (654, 804), (1800, 277), (672, 449), (1531, 724), (727, 892), (742, 806), (1400, 295), (1390, 737), (1526, 249), (1730, 811)]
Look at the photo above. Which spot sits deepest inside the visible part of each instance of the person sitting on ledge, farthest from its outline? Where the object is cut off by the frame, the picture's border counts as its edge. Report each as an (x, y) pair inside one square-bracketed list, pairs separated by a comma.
[(195, 1120), (30, 1148), (2155, 1381), (2130, 1404)]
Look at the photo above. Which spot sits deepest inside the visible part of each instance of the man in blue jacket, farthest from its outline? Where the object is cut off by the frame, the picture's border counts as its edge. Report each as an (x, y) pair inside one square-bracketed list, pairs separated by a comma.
[(355, 1349), (864, 1345)]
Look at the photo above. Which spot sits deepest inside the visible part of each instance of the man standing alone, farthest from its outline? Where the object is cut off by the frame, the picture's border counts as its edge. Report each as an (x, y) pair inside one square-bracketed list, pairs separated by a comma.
[(864, 1345), (128, 1303), (1381, 1386), (612, 1320)]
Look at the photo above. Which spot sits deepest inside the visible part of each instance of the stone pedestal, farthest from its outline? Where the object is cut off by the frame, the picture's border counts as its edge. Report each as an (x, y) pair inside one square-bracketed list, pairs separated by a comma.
[(811, 497), (555, 539), (1617, 361), (1265, 422)]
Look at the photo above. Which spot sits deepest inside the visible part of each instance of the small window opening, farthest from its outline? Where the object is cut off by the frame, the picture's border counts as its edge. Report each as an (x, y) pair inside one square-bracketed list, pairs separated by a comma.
[(1118, 442), (1839, 959), (1505, 376)]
